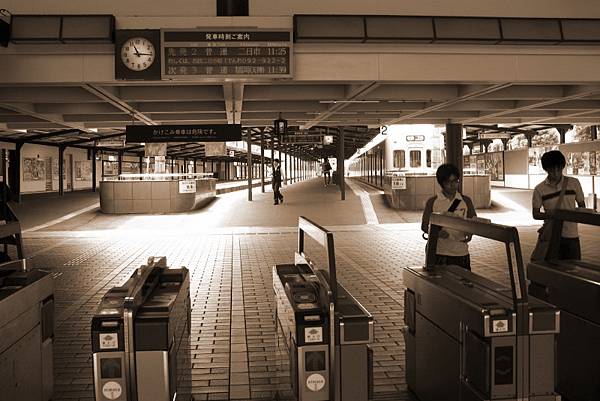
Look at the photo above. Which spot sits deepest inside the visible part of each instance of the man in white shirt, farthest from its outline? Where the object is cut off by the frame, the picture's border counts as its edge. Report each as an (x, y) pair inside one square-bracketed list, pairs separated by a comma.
[(547, 195), (452, 247)]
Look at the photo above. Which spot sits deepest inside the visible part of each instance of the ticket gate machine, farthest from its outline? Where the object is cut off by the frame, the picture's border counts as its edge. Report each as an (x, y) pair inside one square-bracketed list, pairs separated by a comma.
[(468, 338), (26, 332), (574, 287), (140, 337), (322, 331)]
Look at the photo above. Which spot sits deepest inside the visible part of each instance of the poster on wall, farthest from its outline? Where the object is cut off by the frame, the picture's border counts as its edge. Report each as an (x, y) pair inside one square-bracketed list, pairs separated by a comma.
[(581, 163), (34, 169), (535, 158), (83, 170), (55, 169), (494, 163)]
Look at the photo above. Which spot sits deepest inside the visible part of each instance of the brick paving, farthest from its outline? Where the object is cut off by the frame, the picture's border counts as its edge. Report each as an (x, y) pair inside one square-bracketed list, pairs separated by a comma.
[(232, 347)]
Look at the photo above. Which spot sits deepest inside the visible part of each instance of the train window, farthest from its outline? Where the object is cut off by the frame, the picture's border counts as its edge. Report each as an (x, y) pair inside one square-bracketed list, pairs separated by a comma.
[(428, 153), (415, 158), (399, 161)]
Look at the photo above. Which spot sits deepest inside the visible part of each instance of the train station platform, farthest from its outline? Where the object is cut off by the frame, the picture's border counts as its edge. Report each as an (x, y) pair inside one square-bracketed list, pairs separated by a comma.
[(229, 247)]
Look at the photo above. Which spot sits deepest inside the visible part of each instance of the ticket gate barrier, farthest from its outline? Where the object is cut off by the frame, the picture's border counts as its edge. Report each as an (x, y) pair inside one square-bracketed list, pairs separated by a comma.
[(26, 332), (468, 338), (140, 337), (574, 287), (323, 332)]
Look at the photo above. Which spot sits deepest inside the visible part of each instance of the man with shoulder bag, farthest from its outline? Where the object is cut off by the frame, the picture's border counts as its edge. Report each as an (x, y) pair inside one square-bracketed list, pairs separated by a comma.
[(556, 192)]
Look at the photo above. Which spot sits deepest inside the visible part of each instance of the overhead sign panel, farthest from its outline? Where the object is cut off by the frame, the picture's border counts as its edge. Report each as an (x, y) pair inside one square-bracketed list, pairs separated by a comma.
[(183, 133), (494, 135), (193, 54), (304, 139)]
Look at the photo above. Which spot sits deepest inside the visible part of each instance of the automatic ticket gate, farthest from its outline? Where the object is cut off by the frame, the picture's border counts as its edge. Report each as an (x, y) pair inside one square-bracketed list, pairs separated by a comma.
[(140, 337), (574, 287), (468, 338), (322, 331), (26, 332)]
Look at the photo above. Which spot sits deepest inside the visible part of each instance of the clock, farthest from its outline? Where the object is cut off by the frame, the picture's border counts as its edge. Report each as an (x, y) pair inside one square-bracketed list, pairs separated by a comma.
[(137, 54)]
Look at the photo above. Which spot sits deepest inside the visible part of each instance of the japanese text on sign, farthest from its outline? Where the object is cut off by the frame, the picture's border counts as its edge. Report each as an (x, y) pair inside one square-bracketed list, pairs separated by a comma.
[(189, 54)]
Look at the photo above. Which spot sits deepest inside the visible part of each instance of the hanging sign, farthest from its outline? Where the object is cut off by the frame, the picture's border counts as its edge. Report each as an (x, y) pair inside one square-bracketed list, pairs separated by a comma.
[(183, 133), (493, 135), (193, 54)]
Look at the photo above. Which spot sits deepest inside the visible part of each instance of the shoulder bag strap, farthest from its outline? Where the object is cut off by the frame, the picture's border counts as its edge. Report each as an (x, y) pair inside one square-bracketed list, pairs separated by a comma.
[(561, 197)]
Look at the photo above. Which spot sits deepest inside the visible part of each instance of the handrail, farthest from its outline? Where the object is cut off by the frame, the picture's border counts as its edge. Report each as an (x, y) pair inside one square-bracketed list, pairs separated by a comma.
[(325, 238), (587, 217), (508, 235)]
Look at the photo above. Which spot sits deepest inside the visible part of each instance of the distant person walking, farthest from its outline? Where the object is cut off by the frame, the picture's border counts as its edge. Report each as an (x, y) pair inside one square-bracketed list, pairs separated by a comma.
[(452, 247), (276, 182), (326, 172), (557, 192)]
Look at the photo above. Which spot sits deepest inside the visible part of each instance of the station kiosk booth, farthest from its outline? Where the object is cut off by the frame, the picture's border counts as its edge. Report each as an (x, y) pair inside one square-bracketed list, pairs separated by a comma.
[(26, 332), (574, 287), (140, 337), (468, 338), (323, 332)]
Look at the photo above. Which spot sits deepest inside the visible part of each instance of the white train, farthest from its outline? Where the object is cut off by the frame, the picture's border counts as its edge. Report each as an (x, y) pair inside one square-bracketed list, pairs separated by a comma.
[(408, 149)]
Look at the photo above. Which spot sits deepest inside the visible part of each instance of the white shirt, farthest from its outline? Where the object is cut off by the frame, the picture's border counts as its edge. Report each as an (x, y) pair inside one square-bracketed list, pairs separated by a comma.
[(546, 194), (453, 245)]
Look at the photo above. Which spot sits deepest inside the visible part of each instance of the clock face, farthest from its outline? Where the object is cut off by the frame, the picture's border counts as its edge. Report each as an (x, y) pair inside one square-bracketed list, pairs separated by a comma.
[(137, 53)]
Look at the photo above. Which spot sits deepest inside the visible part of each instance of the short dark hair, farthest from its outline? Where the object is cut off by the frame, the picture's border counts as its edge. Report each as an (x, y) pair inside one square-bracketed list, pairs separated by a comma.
[(445, 171), (276, 160), (553, 159)]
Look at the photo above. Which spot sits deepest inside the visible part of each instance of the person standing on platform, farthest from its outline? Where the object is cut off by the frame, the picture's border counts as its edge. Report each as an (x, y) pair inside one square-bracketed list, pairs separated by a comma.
[(276, 182), (452, 247), (326, 172), (558, 192)]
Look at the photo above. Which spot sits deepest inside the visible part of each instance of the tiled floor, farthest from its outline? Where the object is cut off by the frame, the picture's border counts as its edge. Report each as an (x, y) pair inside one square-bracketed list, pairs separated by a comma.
[(233, 344)]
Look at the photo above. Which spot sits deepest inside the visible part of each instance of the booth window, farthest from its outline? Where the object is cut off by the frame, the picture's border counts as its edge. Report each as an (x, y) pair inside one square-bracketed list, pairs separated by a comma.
[(399, 161), (415, 158)]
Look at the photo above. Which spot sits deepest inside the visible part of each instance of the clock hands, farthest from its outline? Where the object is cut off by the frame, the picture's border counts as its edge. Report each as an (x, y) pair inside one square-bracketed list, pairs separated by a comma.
[(137, 52)]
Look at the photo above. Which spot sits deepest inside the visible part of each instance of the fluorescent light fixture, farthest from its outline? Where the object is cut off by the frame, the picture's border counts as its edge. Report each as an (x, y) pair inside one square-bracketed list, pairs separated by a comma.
[(93, 129), (23, 131)]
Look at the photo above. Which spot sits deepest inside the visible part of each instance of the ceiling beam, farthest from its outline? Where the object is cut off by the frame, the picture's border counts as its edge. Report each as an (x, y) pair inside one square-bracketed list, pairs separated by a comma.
[(28, 109), (117, 102), (353, 93), (51, 134), (79, 141), (233, 93), (569, 93), (469, 93)]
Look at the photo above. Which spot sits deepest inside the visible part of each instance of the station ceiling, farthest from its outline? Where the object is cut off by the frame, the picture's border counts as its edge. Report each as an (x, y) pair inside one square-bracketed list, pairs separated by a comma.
[(78, 115)]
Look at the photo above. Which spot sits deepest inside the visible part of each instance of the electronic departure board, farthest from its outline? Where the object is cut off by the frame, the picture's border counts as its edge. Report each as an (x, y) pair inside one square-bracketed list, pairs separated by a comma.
[(226, 53)]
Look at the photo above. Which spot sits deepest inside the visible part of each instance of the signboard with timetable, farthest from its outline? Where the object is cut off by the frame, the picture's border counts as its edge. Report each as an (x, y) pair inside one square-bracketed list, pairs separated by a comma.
[(183, 133), (188, 54)]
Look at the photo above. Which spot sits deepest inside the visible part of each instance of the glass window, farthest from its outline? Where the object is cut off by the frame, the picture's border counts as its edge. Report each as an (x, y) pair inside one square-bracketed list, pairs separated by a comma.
[(415, 158), (428, 157), (399, 161)]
